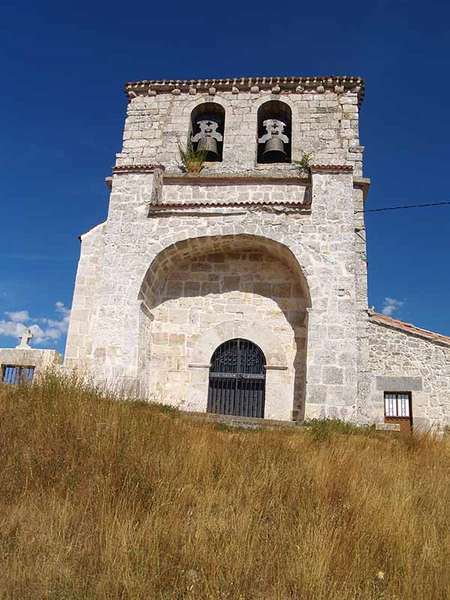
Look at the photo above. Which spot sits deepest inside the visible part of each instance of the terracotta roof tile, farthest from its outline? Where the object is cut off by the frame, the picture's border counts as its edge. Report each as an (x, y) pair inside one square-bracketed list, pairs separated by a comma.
[(137, 168), (297, 84), (408, 328), (332, 168), (242, 203)]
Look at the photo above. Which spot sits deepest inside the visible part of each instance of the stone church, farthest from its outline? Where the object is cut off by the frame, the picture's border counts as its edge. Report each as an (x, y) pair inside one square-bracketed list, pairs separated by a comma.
[(230, 275)]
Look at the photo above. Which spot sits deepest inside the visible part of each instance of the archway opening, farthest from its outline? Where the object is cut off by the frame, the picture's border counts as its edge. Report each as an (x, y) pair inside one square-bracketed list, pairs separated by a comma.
[(201, 292), (237, 379), (207, 130), (274, 132)]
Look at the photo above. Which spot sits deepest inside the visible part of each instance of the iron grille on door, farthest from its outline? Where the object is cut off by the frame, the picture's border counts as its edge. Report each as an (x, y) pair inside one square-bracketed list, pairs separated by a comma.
[(237, 379)]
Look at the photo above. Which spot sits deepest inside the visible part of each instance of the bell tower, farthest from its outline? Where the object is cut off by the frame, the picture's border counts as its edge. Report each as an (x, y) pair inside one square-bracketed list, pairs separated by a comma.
[(235, 215)]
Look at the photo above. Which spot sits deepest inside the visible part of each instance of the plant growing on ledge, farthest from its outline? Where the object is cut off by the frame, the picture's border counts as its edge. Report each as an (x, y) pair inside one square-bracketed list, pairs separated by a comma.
[(304, 164), (191, 159)]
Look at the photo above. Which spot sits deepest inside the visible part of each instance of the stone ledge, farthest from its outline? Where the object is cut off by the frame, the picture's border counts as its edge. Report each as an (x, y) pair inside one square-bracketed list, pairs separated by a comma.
[(274, 84), (331, 169), (167, 206), (235, 179), (244, 422), (387, 427), (171, 178), (362, 183), (137, 168), (389, 383), (28, 356)]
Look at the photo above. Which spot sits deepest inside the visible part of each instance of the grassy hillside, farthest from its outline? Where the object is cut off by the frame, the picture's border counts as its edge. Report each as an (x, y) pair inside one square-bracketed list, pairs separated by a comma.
[(114, 500)]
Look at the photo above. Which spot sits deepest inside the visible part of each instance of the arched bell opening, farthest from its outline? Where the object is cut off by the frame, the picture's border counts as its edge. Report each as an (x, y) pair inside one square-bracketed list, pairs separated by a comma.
[(207, 130), (274, 132), (237, 379)]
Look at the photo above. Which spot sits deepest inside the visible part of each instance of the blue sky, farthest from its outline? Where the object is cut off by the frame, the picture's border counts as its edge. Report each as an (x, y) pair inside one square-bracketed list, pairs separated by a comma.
[(63, 67)]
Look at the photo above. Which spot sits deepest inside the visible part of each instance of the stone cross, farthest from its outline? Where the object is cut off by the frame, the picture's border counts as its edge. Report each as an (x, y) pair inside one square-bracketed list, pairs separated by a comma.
[(24, 339)]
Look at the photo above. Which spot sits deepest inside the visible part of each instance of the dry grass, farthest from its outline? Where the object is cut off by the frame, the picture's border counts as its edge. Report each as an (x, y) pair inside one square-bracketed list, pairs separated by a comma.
[(109, 500)]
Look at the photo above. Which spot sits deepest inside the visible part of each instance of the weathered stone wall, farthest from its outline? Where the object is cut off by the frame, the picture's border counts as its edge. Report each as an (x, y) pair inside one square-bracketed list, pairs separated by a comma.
[(321, 242), (205, 192), (126, 332), (257, 251), (29, 357), (402, 362), (86, 300), (323, 123)]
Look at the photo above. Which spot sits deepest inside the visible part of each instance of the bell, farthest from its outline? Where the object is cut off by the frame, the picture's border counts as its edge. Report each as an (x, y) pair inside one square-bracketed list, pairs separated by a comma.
[(209, 145), (274, 150)]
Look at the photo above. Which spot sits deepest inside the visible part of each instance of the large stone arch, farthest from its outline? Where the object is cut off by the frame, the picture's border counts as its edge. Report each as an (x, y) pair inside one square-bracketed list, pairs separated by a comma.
[(195, 246), (304, 255), (202, 291)]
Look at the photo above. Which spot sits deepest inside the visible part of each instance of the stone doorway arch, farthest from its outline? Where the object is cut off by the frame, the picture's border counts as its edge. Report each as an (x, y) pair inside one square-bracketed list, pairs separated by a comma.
[(237, 379)]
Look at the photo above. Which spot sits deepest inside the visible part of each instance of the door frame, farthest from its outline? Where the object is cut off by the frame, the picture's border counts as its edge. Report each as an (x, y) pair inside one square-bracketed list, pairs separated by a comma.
[(237, 391), (407, 422)]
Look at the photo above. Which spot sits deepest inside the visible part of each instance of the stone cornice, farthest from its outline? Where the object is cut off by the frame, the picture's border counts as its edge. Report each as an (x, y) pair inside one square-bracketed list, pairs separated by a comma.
[(276, 85), (233, 179), (138, 168), (362, 183), (221, 177), (168, 206), (171, 177), (331, 169), (431, 336)]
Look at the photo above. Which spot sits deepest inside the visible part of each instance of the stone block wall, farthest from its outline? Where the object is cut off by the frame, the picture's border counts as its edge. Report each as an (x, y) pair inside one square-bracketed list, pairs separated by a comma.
[(231, 193), (406, 362), (324, 123), (264, 252), (86, 299), (321, 243), (137, 325), (206, 299), (29, 357)]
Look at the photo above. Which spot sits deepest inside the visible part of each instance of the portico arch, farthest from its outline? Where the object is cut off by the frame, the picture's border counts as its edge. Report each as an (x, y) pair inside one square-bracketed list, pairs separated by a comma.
[(203, 291)]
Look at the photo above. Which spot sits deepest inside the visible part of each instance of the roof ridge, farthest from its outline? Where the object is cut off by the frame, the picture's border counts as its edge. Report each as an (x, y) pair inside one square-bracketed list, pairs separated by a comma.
[(253, 77), (297, 83), (408, 328)]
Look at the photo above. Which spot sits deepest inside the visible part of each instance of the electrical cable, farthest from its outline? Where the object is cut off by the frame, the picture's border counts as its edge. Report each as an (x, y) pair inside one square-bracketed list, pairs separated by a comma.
[(403, 207)]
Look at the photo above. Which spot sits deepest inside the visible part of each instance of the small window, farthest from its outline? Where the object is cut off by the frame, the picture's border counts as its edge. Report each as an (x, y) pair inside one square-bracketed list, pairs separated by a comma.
[(397, 404), (12, 374)]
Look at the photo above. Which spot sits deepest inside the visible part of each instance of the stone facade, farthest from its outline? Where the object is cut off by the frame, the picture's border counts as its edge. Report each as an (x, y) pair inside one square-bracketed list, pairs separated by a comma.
[(221, 291), (29, 357), (271, 252), (406, 358), (324, 120)]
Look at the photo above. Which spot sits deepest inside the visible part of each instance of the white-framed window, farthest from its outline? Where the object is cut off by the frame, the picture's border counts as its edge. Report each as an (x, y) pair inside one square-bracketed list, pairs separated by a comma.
[(14, 374), (397, 404)]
